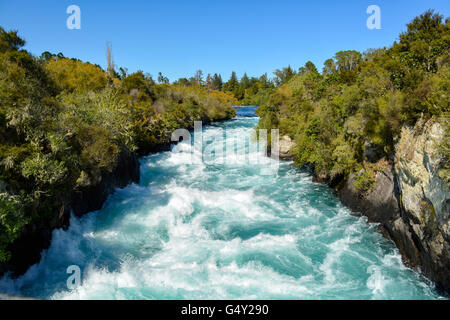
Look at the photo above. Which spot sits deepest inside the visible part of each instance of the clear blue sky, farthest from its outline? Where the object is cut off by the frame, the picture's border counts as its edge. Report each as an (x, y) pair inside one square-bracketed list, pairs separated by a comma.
[(178, 37)]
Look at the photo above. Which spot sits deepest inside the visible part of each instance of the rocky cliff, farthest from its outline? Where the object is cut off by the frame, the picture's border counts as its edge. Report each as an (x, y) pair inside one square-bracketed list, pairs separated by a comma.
[(424, 200), (405, 195), (410, 201)]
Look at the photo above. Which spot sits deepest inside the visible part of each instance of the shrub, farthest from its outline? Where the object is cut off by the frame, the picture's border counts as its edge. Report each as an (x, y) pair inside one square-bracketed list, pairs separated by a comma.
[(364, 181)]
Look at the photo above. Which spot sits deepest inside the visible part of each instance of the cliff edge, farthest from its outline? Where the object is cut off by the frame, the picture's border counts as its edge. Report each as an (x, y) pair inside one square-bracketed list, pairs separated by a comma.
[(410, 201)]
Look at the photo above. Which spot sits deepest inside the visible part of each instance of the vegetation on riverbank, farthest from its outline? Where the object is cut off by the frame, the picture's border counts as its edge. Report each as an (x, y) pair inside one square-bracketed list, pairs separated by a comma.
[(351, 113), (64, 124)]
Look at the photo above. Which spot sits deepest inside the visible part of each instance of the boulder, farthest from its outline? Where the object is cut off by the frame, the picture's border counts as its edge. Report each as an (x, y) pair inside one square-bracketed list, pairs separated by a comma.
[(286, 148)]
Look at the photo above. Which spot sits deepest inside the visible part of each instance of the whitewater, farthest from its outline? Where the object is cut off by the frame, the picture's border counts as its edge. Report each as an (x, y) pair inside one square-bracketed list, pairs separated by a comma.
[(212, 230)]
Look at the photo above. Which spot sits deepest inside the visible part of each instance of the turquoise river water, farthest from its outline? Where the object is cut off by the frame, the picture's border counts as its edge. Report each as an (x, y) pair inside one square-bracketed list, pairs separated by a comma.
[(221, 231)]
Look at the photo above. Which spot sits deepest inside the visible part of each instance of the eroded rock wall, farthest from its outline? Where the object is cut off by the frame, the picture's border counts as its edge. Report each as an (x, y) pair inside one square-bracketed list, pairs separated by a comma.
[(411, 202), (424, 199)]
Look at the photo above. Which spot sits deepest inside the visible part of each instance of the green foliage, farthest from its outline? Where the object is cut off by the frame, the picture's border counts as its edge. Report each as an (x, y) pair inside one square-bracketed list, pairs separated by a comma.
[(74, 75), (426, 39), (361, 97), (65, 123), (12, 220), (283, 75), (364, 181), (43, 169), (10, 41)]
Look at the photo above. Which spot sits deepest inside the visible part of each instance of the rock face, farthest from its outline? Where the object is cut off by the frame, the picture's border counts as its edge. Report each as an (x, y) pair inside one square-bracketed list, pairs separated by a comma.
[(286, 146), (372, 151), (425, 199), (380, 203), (91, 198), (36, 237), (411, 202)]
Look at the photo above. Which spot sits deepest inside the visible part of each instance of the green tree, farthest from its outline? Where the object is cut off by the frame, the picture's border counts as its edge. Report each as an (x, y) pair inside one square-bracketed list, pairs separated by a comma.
[(198, 77), (162, 79), (426, 38), (217, 82), (283, 75), (232, 84), (10, 41), (309, 67), (329, 67), (245, 82)]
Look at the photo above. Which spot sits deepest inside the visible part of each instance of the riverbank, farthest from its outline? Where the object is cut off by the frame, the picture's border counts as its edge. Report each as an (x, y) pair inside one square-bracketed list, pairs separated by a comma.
[(405, 196), (374, 126), (410, 201), (222, 230), (36, 236)]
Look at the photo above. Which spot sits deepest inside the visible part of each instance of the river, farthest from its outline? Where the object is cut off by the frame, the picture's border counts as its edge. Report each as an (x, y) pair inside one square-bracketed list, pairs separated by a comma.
[(221, 231)]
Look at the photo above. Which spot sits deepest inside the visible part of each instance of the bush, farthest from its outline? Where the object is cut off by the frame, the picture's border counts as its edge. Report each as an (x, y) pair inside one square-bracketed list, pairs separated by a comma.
[(363, 97), (364, 181), (64, 124), (12, 220)]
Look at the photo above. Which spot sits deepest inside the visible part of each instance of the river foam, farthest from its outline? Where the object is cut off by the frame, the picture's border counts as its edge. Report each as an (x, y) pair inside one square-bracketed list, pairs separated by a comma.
[(221, 231)]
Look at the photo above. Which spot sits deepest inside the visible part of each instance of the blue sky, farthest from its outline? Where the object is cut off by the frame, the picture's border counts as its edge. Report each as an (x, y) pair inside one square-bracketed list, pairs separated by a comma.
[(178, 37)]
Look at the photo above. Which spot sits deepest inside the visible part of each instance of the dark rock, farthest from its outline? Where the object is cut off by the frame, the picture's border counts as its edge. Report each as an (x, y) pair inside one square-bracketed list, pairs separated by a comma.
[(372, 151), (423, 249), (380, 204), (91, 198), (37, 235)]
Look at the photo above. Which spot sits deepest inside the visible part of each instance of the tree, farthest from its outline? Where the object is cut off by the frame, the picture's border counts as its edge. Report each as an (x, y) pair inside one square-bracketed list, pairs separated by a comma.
[(162, 79), (209, 84), (217, 82), (245, 82), (265, 82), (329, 67), (199, 77), (347, 60), (309, 67), (74, 75), (47, 56), (183, 82), (426, 38), (10, 41), (123, 73), (283, 75), (110, 61), (232, 84)]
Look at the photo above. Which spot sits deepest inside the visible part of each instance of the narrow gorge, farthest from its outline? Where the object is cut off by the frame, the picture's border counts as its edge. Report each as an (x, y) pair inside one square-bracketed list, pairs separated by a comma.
[(222, 231)]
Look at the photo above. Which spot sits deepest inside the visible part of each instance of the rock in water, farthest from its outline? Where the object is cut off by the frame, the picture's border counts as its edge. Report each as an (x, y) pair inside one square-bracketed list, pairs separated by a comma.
[(286, 146)]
